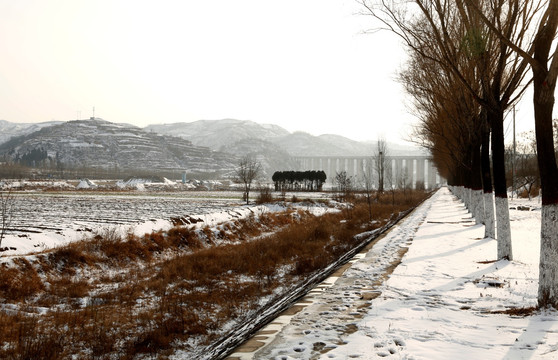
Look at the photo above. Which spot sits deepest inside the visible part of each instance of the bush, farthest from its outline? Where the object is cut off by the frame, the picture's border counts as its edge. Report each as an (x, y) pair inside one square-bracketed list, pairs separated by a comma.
[(265, 195)]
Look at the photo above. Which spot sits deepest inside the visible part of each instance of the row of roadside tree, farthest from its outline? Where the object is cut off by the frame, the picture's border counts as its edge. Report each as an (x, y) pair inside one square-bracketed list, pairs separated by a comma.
[(469, 62)]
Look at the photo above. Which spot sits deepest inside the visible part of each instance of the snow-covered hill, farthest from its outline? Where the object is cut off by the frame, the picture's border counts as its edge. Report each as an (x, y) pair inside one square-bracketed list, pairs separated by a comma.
[(216, 134), (200, 146), (10, 129), (222, 134), (101, 144)]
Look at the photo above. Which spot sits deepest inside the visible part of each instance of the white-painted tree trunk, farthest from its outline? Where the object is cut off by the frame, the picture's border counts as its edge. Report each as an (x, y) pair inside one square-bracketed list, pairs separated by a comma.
[(469, 199), (457, 192), (489, 226), (503, 231), (548, 265), (478, 205)]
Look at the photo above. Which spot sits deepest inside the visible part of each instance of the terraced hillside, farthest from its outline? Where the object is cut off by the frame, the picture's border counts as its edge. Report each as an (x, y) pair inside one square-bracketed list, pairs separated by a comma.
[(96, 143)]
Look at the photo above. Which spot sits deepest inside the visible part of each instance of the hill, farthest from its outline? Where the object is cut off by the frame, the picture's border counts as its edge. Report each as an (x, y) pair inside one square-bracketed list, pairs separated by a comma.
[(211, 147), (10, 129), (222, 134), (99, 144), (216, 134)]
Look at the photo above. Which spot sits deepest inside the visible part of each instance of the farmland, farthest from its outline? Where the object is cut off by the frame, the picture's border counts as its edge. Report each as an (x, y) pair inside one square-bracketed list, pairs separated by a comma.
[(43, 219)]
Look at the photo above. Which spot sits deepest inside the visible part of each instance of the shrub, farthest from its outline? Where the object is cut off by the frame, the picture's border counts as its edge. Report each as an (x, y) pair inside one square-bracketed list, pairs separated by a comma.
[(265, 195)]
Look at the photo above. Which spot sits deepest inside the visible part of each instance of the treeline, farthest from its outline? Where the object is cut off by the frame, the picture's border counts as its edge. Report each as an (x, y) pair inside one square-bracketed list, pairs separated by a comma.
[(299, 180), (468, 62)]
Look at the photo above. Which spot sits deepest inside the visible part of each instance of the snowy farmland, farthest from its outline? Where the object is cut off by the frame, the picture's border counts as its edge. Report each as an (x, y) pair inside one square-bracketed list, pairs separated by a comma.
[(42, 220)]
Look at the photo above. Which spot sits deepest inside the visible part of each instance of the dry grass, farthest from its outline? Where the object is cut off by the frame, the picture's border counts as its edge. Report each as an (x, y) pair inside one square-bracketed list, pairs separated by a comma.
[(519, 312), (117, 297)]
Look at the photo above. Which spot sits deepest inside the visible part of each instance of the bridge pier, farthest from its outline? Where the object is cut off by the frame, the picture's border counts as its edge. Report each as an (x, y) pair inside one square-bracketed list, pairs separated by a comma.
[(413, 171)]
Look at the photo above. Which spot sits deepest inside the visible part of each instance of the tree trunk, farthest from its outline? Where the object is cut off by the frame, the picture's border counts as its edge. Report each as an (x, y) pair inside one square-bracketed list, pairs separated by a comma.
[(489, 226), (467, 183), (503, 231), (548, 266), (476, 184)]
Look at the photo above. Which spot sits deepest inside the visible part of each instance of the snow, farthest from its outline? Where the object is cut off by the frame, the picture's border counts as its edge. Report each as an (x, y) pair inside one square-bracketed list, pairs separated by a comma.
[(86, 184), (443, 301), (68, 224)]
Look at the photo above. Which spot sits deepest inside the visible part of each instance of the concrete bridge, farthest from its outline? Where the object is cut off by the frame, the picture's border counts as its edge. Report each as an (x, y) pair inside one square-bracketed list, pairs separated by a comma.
[(399, 170)]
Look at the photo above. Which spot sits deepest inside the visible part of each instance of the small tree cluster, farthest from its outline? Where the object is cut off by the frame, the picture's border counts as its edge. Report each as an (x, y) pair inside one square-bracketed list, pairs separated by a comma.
[(299, 180), (344, 185)]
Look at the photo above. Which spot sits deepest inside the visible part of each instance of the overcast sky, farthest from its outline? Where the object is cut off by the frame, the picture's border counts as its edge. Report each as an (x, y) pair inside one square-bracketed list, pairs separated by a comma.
[(302, 64)]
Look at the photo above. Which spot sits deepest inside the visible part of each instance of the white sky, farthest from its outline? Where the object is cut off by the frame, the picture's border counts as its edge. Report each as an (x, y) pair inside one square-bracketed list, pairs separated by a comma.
[(301, 64)]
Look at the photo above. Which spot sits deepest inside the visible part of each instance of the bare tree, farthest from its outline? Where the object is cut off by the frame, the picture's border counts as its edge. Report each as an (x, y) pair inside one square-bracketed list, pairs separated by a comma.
[(344, 185), (380, 161), (6, 210), (248, 170), (368, 183), (403, 181)]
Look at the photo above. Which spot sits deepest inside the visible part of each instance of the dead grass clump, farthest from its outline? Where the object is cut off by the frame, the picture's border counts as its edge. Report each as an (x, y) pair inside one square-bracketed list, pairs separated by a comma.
[(182, 237), (248, 227), (207, 234), (171, 320), (305, 266), (155, 241), (47, 344), (70, 257), (522, 312), (19, 282), (122, 251), (70, 288), (279, 219)]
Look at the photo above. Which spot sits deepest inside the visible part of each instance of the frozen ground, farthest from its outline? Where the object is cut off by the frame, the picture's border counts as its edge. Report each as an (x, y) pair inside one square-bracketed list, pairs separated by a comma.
[(441, 302), (43, 220)]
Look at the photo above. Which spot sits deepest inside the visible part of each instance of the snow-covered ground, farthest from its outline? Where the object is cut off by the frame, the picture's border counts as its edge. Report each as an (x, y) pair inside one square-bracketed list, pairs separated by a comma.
[(44, 220), (441, 302)]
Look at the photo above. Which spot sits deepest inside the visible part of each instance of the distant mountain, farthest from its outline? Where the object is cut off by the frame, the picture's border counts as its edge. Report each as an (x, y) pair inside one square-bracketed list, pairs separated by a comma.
[(221, 134), (348, 146), (303, 144), (216, 134), (9, 129), (105, 145), (205, 146), (272, 157)]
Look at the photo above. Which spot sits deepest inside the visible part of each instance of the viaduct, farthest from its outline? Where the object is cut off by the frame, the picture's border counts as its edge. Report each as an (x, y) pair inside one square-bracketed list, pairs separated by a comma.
[(408, 170)]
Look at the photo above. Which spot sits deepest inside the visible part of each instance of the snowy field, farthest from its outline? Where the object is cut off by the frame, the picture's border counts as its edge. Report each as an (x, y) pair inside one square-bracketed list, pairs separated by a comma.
[(444, 301), (42, 220)]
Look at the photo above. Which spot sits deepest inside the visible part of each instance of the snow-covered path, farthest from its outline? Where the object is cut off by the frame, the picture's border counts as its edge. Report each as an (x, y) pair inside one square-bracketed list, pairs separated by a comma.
[(441, 302)]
